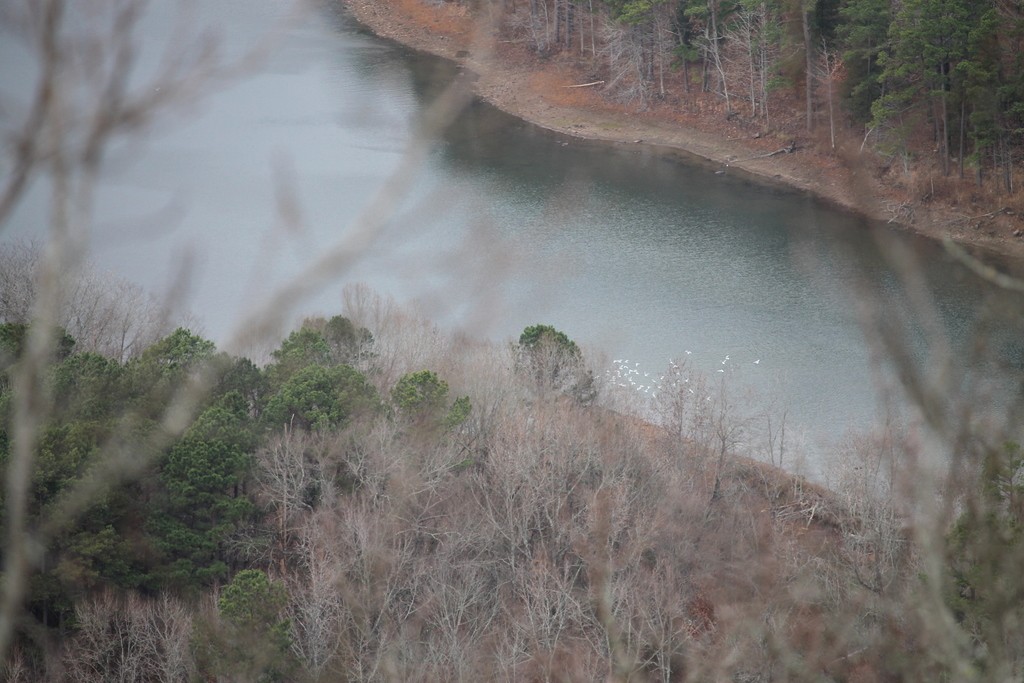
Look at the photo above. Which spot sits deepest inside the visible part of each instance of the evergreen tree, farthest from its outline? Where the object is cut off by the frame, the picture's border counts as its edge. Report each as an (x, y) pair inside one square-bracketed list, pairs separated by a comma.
[(251, 640), (164, 368), (423, 398), (303, 347), (241, 376), (201, 504), (863, 34), (89, 386), (318, 398), (927, 41)]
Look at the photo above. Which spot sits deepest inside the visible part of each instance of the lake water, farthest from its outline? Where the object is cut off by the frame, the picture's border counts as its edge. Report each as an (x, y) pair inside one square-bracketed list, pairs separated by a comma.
[(644, 257)]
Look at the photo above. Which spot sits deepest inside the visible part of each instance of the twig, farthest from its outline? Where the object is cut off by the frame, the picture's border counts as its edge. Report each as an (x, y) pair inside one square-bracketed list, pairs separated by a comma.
[(900, 211), (982, 270), (584, 85)]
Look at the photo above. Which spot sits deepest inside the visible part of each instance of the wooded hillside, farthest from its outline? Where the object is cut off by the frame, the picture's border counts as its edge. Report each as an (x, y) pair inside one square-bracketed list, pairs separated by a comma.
[(384, 501), (938, 79)]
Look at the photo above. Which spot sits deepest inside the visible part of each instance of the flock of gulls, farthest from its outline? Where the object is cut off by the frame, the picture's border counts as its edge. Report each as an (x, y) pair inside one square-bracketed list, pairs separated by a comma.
[(628, 374)]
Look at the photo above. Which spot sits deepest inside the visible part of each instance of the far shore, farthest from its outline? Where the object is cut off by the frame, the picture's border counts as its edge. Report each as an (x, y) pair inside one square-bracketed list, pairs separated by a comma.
[(532, 93)]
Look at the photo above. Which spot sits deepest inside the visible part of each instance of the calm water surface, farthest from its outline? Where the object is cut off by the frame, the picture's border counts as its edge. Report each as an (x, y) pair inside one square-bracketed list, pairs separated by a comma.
[(643, 257)]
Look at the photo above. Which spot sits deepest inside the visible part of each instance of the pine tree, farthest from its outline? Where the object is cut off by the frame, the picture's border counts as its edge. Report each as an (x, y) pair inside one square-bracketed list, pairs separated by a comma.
[(863, 33), (927, 40)]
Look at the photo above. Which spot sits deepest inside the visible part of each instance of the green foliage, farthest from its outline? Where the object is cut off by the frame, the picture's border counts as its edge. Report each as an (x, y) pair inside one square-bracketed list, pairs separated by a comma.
[(201, 505), (950, 67), (92, 558), (180, 351), (241, 376), (303, 347), (423, 397), (420, 392), (319, 398), (459, 412), (228, 422), (251, 641), (927, 40), (251, 600), (537, 337), (863, 35), (99, 550), (5, 404), (348, 343), (555, 362), (88, 386), (993, 91), (12, 342), (633, 12), (827, 18), (65, 452), (163, 369), (13, 337), (320, 342)]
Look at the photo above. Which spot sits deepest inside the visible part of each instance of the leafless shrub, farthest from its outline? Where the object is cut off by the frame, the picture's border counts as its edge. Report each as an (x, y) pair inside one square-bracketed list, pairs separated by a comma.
[(130, 639), (867, 481), (109, 316), (15, 669), (623, 49)]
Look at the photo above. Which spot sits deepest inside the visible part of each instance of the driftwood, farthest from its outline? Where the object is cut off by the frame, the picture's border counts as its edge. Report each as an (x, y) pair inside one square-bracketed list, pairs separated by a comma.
[(900, 211), (583, 85), (991, 214), (788, 149)]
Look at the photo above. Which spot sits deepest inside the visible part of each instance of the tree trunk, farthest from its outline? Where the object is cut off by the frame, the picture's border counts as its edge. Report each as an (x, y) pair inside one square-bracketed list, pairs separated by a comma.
[(831, 116), (558, 21), (805, 20), (763, 65), (661, 59), (713, 42), (593, 45), (945, 134), (1007, 155), (961, 154), (569, 17), (583, 34), (547, 27)]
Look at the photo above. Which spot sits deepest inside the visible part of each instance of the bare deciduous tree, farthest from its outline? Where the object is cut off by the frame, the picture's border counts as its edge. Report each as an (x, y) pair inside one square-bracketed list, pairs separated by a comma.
[(19, 263), (288, 476), (130, 639), (316, 608)]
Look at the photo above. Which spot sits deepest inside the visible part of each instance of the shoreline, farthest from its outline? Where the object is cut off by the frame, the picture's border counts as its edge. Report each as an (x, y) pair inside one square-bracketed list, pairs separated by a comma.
[(531, 94)]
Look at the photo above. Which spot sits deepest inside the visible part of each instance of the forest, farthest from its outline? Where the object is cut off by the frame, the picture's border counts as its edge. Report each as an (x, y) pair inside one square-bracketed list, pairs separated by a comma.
[(935, 86), (382, 500)]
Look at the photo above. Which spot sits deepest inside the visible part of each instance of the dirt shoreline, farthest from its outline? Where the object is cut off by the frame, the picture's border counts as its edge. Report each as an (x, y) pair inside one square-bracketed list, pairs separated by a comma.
[(531, 91)]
